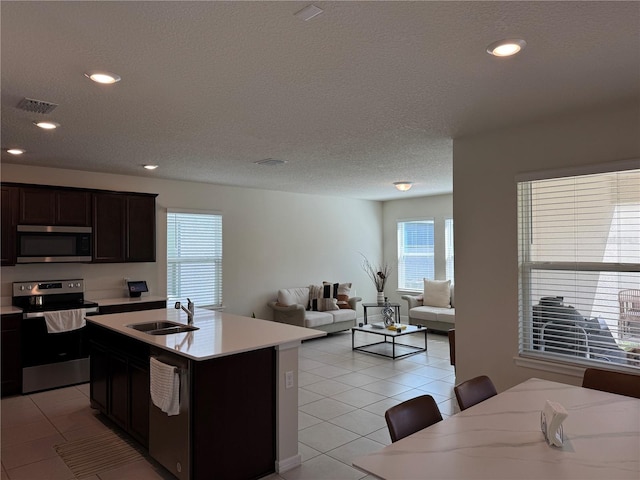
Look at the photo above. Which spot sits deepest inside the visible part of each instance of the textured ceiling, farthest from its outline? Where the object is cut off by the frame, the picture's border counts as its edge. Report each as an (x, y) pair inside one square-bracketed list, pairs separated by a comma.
[(363, 95)]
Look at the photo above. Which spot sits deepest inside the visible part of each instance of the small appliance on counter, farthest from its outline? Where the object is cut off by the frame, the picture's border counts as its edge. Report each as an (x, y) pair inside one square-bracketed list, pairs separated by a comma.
[(52, 360), (137, 288)]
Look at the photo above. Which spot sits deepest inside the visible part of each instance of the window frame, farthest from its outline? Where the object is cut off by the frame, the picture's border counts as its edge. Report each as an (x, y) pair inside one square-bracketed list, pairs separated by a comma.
[(527, 355), (215, 258), (401, 252)]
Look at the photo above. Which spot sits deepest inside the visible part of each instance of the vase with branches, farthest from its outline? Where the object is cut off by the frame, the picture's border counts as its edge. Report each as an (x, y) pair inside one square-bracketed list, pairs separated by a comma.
[(379, 274)]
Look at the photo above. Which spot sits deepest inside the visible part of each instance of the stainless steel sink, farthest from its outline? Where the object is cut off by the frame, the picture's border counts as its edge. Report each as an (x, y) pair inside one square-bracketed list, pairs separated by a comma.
[(162, 328)]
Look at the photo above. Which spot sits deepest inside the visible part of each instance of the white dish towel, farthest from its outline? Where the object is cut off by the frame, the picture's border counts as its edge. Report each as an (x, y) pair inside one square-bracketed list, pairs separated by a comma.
[(165, 386), (65, 320)]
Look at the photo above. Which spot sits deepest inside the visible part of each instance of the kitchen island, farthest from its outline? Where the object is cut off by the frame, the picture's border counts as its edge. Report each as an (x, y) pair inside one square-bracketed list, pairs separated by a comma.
[(238, 390)]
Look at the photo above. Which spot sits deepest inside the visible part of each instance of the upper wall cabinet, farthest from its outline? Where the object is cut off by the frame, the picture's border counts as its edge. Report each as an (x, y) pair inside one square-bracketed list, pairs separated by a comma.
[(124, 227), (54, 206), (141, 228), (9, 204)]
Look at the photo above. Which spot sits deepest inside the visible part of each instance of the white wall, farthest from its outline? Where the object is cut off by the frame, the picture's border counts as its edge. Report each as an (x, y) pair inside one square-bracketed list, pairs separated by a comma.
[(484, 206), (438, 208), (271, 240)]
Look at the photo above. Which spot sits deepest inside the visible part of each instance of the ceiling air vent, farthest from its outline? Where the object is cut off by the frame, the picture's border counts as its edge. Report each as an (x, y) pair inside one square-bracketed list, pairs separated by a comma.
[(270, 162), (36, 106)]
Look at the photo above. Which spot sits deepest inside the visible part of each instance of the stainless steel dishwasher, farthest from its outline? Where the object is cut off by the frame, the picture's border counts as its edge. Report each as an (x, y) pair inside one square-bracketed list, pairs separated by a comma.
[(169, 436)]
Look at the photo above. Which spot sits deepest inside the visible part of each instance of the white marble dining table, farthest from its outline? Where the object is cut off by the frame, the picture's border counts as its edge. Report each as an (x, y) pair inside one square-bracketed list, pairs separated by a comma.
[(501, 438)]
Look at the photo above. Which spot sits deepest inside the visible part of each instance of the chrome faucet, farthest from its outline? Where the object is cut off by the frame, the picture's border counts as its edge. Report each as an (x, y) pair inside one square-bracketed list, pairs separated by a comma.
[(188, 310)]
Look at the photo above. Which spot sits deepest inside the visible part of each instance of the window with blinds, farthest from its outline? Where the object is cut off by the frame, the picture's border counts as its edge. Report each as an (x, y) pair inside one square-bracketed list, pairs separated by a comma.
[(579, 268), (448, 247), (194, 258), (415, 254)]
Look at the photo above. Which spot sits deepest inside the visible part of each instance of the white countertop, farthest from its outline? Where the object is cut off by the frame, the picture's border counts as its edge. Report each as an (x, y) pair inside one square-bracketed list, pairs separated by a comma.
[(219, 333), (9, 309), (500, 438)]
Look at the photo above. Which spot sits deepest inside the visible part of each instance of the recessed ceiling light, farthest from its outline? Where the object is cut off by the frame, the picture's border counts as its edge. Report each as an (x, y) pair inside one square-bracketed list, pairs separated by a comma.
[(47, 125), (307, 13), (506, 48), (150, 167), (15, 151), (103, 77), (403, 186)]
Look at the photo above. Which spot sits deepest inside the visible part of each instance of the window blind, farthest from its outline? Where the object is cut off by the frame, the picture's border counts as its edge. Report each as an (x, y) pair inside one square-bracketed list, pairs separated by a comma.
[(579, 268), (194, 258), (448, 241), (415, 254)]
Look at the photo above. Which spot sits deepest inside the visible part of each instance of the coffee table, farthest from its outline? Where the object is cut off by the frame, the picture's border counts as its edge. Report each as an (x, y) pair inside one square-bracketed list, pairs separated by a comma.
[(382, 347)]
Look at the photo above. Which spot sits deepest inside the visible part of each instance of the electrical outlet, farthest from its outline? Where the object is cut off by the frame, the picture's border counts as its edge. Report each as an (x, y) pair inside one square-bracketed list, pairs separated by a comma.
[(288, 379), (126, 279)]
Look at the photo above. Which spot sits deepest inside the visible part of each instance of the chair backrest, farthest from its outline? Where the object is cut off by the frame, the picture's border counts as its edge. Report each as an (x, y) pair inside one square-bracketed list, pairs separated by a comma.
[(412, 415), (613, 382), (629, 299), (474, 391)]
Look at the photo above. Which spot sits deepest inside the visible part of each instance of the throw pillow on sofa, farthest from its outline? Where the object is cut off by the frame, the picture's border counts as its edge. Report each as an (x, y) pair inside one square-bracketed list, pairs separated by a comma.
[(321, 298), (343, 293), (437, 293)]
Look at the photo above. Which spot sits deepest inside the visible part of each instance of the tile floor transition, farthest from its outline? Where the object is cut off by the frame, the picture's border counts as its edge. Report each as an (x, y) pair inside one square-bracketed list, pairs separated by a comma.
[(342, 399)]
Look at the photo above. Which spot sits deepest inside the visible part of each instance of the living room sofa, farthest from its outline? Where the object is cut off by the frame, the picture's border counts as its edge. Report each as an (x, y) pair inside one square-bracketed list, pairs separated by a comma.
[(439, 316), (294, 306)]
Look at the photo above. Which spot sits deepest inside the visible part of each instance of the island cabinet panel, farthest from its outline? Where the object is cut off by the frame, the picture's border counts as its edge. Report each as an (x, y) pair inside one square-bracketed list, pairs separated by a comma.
[(54, 206), (119, 385), (10, 349), (139, 401), (8, 216), (119, 389), (233, 408)]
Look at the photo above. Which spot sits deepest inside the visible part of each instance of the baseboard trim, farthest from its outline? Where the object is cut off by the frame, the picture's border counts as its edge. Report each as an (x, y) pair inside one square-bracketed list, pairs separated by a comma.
[(288, 463)]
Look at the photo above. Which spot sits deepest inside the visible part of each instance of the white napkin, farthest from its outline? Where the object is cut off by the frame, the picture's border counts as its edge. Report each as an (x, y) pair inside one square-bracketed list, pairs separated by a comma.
[(65, 320), (165, 386), (553, 415)]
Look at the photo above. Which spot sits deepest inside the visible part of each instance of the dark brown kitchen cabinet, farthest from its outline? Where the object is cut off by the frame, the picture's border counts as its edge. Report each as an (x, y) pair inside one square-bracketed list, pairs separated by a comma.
[(132, 307), (10, 350), (139, 401), (109, 227), (124, 227), (54, 206), (8, 217), (141, 228), (119, 385)]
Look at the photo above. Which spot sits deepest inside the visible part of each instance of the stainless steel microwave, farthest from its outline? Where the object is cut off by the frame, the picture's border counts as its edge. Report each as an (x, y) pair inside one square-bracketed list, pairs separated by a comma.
[(53, 244)]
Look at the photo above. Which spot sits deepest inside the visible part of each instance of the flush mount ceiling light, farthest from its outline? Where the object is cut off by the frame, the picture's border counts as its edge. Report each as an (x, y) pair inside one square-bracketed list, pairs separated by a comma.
[(403, 186), (15, 151), (150, 167), (47, 125), (103, 77), (506, 48), (307, 13)]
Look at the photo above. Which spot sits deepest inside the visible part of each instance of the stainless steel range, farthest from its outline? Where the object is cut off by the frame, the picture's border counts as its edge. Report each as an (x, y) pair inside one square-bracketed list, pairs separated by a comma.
[(51, 360)]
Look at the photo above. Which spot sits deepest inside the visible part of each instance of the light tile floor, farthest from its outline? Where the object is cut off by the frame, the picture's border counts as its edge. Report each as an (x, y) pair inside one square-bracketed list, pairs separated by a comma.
[(341, 403)]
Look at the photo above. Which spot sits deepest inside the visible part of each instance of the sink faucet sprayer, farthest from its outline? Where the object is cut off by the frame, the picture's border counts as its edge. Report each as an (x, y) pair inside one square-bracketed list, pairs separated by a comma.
[(188, 310)]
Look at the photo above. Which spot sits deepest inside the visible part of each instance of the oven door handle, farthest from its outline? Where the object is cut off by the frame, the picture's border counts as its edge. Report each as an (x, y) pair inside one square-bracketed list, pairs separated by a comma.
[(25, 315)]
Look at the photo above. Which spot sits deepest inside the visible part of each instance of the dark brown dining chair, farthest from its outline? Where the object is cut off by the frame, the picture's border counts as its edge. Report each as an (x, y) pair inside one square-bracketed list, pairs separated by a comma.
[(626, 384), (452, 346), (474, 391), (412, 415)]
